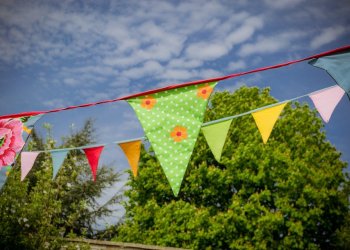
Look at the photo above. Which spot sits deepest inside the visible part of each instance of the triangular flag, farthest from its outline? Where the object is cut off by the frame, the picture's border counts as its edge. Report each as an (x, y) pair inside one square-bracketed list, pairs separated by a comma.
[(93, 155), (27, 162), (171, 120), (11, 141), (31, 120), (57, 161), (215, 135), (13, 134), (326, 100), (132, 152), (338, 67), (12, 138), (4, 172), (265, 120)]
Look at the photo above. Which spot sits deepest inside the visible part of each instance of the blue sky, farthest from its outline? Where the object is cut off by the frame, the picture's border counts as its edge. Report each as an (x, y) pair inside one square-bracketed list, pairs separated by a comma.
[(60, 53)]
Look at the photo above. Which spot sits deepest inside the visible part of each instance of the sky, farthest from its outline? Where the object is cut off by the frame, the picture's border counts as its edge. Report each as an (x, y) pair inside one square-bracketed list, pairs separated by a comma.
[(59, 53)]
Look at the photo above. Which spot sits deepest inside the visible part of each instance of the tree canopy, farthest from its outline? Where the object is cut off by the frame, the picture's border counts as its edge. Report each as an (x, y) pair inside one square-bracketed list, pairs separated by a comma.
[(286, 194), (38, 212)]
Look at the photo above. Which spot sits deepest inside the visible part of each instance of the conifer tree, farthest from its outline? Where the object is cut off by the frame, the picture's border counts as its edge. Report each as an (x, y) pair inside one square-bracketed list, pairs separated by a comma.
[(38, 212)]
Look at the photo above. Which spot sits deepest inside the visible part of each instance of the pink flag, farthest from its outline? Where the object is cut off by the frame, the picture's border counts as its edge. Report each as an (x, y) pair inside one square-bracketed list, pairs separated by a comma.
[(93, 155), (27, 162), (325, 101)]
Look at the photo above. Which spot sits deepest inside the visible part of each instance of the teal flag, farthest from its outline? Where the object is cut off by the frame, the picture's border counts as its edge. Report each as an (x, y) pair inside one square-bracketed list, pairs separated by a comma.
[(338, 67), (171, 120), (57, 161)]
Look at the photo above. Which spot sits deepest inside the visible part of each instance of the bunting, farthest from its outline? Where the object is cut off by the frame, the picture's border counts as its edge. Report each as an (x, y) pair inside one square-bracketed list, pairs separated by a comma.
[(171, 120), (93, 156), (326, 100), (338, 67), (27, 162), (57, 161), (171, 117), (215, 135), (265, 120), (132, 152), (215, 131)]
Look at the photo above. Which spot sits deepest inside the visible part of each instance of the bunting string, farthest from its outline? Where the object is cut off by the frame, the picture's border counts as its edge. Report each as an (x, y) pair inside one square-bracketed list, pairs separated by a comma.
[(203, 125), (217, 79), (264, 107)]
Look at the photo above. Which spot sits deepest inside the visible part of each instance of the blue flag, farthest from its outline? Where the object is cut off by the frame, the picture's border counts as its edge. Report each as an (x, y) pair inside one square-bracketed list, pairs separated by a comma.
[(57, 160), (338, 67)]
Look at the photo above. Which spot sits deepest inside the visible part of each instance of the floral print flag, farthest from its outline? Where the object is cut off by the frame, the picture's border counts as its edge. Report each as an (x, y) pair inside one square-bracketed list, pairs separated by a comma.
[(11, 140), (13, 135), (171, 120)]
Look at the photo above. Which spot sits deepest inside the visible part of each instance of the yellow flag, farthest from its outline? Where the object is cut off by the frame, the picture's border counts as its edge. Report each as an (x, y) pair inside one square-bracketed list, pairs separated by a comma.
[(265, 120), (132, 153)]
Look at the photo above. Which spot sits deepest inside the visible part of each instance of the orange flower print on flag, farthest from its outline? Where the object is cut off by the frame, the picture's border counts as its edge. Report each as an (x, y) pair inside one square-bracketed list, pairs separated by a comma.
[(179, 133), (204, 91), (148, 102)]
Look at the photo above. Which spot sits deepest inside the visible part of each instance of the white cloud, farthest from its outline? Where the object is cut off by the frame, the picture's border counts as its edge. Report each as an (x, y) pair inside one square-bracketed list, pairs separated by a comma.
[(236, 65), (282, 4), (177, 74), (55, 103), (159, 40), (149, 68), (208, 73), (71, 81), (220, 46), (206, 50), (326, 36), (163, 41), (183, 63), (272, 43), (244, 32)]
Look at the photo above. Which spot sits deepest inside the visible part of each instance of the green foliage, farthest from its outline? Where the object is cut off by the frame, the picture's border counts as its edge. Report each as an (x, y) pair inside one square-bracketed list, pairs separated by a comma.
[(38, 212), (287, 194)]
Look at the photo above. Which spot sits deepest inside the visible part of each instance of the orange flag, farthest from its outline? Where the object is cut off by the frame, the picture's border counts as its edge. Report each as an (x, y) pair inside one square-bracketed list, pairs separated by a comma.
[(265, 119), (132, 152)]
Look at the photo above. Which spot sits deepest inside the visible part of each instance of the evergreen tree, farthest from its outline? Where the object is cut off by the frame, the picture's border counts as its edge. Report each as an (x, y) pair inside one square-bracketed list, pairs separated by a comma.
[(38, 212), (286, 194)]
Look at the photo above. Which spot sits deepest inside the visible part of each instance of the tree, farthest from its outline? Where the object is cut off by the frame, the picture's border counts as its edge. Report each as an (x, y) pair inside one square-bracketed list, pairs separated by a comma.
[(286, 194), (39, 211)]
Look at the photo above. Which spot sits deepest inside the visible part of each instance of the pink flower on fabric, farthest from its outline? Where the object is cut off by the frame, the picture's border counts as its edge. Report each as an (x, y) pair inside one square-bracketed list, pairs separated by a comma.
[(11, 140)]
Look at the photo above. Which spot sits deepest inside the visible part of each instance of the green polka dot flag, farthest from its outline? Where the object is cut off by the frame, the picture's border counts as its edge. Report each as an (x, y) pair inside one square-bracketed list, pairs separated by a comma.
[(171, 120)]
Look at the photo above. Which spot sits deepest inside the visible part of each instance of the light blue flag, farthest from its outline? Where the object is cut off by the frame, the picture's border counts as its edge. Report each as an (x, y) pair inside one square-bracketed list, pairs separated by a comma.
[(338, 67), (32, 120), (57, 160)]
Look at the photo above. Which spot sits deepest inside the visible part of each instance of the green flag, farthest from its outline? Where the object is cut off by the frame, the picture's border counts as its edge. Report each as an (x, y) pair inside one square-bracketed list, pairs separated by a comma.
[(215, 135), (171, 120)]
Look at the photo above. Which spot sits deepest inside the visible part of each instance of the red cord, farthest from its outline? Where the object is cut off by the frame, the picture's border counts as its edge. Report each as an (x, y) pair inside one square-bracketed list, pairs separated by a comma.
[(32, 113)]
